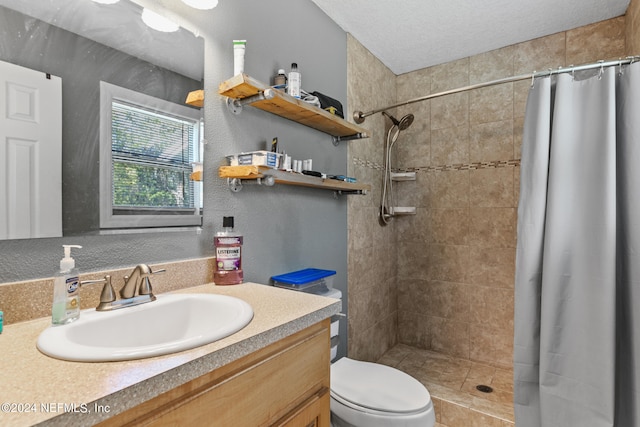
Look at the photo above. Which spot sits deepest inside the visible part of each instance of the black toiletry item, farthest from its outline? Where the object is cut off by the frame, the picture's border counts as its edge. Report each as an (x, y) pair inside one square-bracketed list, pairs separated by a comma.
[(327, 101)]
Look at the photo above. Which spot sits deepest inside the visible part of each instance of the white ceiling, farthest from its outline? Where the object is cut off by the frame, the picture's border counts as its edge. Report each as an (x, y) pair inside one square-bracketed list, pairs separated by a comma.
[(407, 35)]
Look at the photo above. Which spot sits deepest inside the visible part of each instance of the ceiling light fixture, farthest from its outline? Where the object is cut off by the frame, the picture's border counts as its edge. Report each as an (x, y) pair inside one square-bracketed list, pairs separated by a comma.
[(201, 4), (158, 22)]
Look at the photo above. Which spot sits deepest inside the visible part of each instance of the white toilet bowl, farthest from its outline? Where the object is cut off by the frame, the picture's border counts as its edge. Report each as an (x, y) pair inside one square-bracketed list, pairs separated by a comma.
[(365, 394)]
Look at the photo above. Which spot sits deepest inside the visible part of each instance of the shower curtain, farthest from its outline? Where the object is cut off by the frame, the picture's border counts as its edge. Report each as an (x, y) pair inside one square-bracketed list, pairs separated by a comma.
[(577, 290)]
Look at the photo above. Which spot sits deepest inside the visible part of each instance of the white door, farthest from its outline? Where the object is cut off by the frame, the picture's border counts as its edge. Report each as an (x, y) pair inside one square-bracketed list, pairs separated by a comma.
[(30, 153)]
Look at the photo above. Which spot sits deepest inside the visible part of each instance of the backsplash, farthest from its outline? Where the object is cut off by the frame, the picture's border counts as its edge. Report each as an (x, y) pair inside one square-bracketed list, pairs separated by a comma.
[(32, 299)]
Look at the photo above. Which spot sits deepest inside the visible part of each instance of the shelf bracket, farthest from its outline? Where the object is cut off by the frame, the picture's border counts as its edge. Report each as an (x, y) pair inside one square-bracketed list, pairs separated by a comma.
[(236, 184), (235, 105), (337, 193), (338, 139)]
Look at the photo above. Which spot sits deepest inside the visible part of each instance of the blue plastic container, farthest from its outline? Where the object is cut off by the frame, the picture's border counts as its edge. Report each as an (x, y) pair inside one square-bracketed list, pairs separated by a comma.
[(311, 280)]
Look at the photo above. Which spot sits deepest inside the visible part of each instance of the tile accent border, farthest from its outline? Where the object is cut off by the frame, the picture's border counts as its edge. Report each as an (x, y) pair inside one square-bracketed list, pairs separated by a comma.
[(452, 167)]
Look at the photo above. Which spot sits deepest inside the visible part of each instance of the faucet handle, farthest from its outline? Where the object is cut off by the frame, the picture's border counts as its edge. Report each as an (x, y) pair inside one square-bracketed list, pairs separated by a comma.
[(108, 294), (145, 285)]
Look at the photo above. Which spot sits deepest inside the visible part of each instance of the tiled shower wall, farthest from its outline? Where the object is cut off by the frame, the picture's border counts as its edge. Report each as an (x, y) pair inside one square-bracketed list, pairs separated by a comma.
[(450, 288), (372, 249)]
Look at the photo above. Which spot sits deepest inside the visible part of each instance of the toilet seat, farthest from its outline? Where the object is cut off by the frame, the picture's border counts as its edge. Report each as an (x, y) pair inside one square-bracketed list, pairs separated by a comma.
[(377, 389)]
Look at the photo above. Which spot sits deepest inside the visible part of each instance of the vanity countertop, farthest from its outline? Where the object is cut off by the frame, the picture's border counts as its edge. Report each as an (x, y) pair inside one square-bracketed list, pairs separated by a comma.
[(36, 388)]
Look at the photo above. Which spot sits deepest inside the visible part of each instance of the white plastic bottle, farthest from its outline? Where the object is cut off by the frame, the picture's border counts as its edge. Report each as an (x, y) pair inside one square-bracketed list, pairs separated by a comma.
[(295, 81), (239, 46), (66, 289)]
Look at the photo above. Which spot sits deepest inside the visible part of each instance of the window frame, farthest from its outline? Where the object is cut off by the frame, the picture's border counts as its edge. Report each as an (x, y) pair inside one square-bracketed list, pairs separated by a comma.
[(109, 220)]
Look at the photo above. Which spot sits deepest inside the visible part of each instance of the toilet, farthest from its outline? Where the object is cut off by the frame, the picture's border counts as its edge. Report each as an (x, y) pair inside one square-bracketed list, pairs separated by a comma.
[(365, 394)]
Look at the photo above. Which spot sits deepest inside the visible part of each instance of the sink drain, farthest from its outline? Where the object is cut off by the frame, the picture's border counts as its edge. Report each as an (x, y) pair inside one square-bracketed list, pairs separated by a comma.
[(484, 388)]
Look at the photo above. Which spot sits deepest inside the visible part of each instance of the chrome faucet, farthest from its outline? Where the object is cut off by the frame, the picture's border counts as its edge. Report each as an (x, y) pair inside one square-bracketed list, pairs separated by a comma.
[(138, 282)]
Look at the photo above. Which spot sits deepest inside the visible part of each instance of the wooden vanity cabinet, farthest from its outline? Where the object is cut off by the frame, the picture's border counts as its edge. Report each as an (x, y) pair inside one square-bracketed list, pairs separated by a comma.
[(283, 384)]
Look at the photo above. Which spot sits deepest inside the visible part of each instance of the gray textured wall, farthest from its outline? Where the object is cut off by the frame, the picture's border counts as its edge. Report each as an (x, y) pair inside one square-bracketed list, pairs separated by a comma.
[(285, 228)]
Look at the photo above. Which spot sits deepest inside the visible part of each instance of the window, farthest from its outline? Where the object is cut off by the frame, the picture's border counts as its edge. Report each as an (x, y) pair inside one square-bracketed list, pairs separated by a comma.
[(147, 149)]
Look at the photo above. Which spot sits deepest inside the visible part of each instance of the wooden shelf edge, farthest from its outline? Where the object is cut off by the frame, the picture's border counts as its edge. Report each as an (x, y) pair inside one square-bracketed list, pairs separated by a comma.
[(243, 86), (293, 178), (195, 98)]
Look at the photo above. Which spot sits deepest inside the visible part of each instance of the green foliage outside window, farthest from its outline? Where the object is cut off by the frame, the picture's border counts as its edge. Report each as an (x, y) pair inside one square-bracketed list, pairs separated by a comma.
[(151, 159)]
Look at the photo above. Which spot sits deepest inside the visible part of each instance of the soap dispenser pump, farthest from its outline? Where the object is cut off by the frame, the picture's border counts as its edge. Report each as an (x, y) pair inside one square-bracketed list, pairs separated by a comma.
[(66, 289)]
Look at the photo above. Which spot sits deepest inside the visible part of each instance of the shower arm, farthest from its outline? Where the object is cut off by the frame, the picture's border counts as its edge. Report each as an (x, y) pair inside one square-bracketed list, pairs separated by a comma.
[(359, 116)]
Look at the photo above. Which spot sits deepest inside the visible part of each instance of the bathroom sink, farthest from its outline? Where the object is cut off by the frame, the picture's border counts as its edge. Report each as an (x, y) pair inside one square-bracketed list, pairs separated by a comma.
[(170, 324)]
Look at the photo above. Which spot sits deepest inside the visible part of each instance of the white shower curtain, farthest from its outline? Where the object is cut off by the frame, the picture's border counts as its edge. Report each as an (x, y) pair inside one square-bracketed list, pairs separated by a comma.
[(577, 291)]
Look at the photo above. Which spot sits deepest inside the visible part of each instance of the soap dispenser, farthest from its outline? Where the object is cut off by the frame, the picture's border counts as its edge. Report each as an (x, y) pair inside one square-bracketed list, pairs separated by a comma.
[(66, 289)]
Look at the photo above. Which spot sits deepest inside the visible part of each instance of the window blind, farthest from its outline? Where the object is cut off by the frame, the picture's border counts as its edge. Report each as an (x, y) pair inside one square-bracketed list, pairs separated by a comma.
[(151, 159)]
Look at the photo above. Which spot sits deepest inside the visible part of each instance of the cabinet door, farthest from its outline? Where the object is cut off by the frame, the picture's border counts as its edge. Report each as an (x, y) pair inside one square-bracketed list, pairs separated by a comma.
[(286, 384), (313, 413)]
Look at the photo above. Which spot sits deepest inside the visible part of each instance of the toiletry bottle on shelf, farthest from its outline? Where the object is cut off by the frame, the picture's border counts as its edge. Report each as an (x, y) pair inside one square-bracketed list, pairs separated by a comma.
[(228, 269), (239, 46), (280, 80), (66, 288), (295, 81)]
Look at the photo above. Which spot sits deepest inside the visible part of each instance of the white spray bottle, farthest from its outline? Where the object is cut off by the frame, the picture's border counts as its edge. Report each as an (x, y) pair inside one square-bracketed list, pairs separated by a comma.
[(66, 289)]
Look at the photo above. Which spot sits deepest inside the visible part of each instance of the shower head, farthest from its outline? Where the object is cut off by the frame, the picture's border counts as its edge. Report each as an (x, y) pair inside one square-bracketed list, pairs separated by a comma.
[(403, 123), (406, 121)]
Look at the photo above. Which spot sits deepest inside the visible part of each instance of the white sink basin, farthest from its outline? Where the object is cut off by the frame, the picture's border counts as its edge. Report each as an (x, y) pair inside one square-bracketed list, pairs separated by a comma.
[(170, 324)]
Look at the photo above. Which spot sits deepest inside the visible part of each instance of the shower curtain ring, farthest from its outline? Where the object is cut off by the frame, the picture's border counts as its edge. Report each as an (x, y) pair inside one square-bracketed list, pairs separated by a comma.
[(620, 72), (533, 78), (601, 72)]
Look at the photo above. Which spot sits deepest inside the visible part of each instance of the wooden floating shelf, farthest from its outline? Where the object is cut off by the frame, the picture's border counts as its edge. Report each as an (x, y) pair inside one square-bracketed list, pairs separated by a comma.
[(291, 178), (242, 86), (195, 98)]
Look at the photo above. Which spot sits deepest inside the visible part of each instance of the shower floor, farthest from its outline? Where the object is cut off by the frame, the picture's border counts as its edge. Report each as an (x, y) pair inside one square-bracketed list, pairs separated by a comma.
[(452, 384)]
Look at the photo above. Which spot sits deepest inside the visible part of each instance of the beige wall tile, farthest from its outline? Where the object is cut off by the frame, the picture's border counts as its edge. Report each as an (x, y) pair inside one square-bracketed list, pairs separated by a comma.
[(415, 193), (492, 266), (450, 189), (414, 259), (450, 226), (452, 339), (492, 227), (413, 146), (450, 146), (449, 263), (491, 141), (493, 346), (414, 228), (518, 131), (413, 296), (540, 54), (491, 187), (492, 307), (450, 111), (491, 104), (448, 300), (451, 75), (417, 329), (520, 95), (602, 40), (492, 65), (632, 28)]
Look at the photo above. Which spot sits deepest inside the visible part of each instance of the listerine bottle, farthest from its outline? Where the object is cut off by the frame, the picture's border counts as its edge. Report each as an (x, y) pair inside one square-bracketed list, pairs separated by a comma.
[(228, 243)]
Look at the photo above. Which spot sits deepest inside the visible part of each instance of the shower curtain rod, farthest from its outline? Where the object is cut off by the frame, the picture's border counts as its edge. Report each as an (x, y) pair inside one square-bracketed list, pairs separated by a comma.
[(359, 116)]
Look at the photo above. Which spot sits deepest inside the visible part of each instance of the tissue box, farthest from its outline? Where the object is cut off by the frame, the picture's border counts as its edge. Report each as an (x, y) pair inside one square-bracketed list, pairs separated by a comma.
[(311, 280), (256, 158)]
